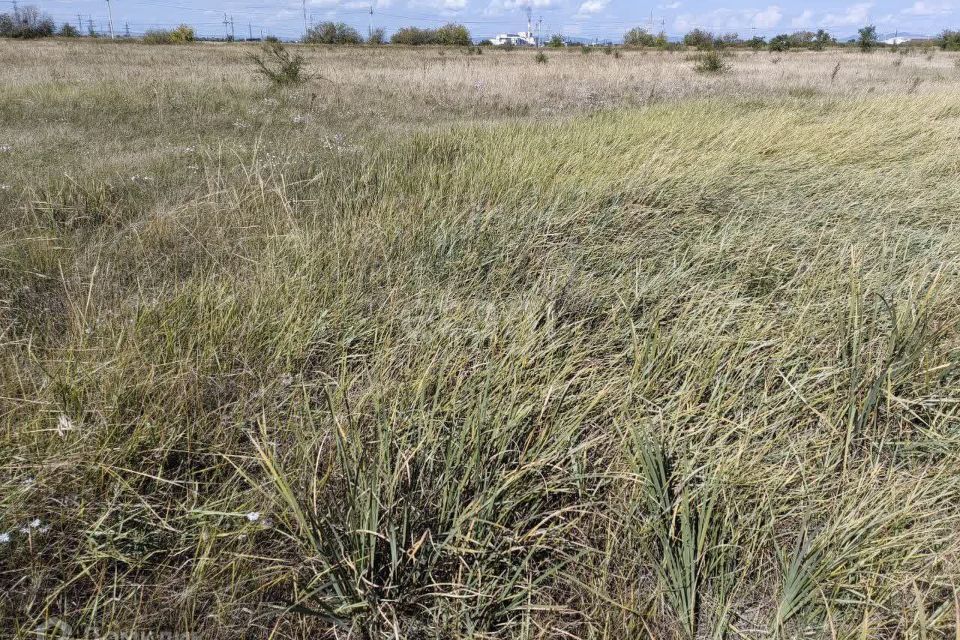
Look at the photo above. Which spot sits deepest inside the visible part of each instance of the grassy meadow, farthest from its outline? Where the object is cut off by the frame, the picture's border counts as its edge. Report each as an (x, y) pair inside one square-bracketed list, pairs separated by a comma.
[(439, 345)]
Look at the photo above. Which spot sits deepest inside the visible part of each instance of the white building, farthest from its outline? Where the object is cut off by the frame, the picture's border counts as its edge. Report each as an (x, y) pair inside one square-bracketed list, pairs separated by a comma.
[(522, 39)]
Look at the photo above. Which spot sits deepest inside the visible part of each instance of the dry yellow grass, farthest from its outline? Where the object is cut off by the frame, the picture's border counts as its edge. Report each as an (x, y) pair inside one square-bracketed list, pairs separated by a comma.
[(633, 352)]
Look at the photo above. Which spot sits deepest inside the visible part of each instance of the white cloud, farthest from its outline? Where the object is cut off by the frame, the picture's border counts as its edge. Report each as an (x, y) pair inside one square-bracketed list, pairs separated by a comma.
[(670, 6), (730, 19), (922, 8), (854, 15), (500, 7), (438, 5), (802, 20), (591, 7)]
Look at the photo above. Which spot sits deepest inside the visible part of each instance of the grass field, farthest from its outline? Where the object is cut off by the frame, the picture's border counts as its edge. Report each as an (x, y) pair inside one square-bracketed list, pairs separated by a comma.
[(439, 345)]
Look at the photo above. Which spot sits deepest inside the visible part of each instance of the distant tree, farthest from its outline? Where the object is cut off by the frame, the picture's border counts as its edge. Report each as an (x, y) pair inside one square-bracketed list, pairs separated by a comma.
[(639, 37), (332, 33), (377, 36), (453, 34), (26, 22), (868, 38), (726, 40), (183, 33), (950, 40), (801, 39), (821, 40), (555, 41), (699, 38), (68, 31), (448, 34), (757, 43), (780, 42)]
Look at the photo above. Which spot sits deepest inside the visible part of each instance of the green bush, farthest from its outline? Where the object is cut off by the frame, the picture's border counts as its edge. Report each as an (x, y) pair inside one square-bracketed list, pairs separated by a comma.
[(332, 33), (449, 34), (278, 65), (377, 36), (68, 31), (699, 39), (867, 40), (950, 40), (710, 62), (541, 57), (639, 37), (555, 41), (780, 43), (757, 43), (180, 35)]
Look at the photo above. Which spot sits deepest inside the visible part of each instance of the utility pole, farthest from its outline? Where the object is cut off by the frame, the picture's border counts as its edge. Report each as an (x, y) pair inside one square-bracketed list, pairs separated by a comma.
[(90, 29), (226, 27), (250, 27), (110, 18), (540, 32), (370, 24), (305, 28), (79, 23), (233, 32), (126, 30)]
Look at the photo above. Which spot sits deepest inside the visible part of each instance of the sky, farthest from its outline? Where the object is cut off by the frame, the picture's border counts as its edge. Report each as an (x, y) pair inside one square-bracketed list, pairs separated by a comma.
[(591, 19)]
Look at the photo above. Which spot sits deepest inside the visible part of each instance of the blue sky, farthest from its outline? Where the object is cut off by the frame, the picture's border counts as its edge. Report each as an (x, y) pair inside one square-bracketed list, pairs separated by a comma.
[(603, 19)]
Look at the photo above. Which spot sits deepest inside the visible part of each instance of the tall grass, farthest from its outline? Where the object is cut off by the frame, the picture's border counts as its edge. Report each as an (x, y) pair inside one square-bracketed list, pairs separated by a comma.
[(681, 371)]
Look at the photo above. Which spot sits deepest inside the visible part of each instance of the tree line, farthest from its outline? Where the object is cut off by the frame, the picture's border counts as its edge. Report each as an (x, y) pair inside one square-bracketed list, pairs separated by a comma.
[(29, 22)]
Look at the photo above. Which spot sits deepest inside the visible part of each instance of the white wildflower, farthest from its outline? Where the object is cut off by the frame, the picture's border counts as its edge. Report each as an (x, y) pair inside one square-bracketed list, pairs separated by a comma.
[(35, 523), (4, 538), (299, 119), (253, 516), (64, 424), (5, 187), (5, 148)]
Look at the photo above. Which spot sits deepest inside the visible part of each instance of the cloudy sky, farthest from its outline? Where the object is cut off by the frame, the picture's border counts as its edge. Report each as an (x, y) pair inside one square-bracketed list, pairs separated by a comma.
[(602, 19)]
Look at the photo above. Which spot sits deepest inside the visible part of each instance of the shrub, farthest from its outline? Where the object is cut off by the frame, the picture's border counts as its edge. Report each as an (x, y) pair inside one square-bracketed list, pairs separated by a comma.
[(158, 36), (608, 50), (68, 31), (710, 62), (449, 34), (780, 43), (950, 40), (278, 65), (27, 23), (639, 37), (585, 50), (377, 36), (332, 33), (555, 41), (868, 38), (757, 43), (821, 39), (700, 39), (455, 35), (183, 33), (541, 57)]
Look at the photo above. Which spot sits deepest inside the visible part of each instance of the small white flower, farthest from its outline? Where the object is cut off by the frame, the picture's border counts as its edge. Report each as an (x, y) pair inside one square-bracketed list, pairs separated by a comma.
[(5, 148), (64, 424), (5, 187), (299, 119), (253, 516), (35, 523), (4, 538), (45, 529)]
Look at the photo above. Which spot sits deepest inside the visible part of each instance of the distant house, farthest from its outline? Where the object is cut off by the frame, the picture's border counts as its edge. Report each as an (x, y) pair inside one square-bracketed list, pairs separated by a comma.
[(522, 39)]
